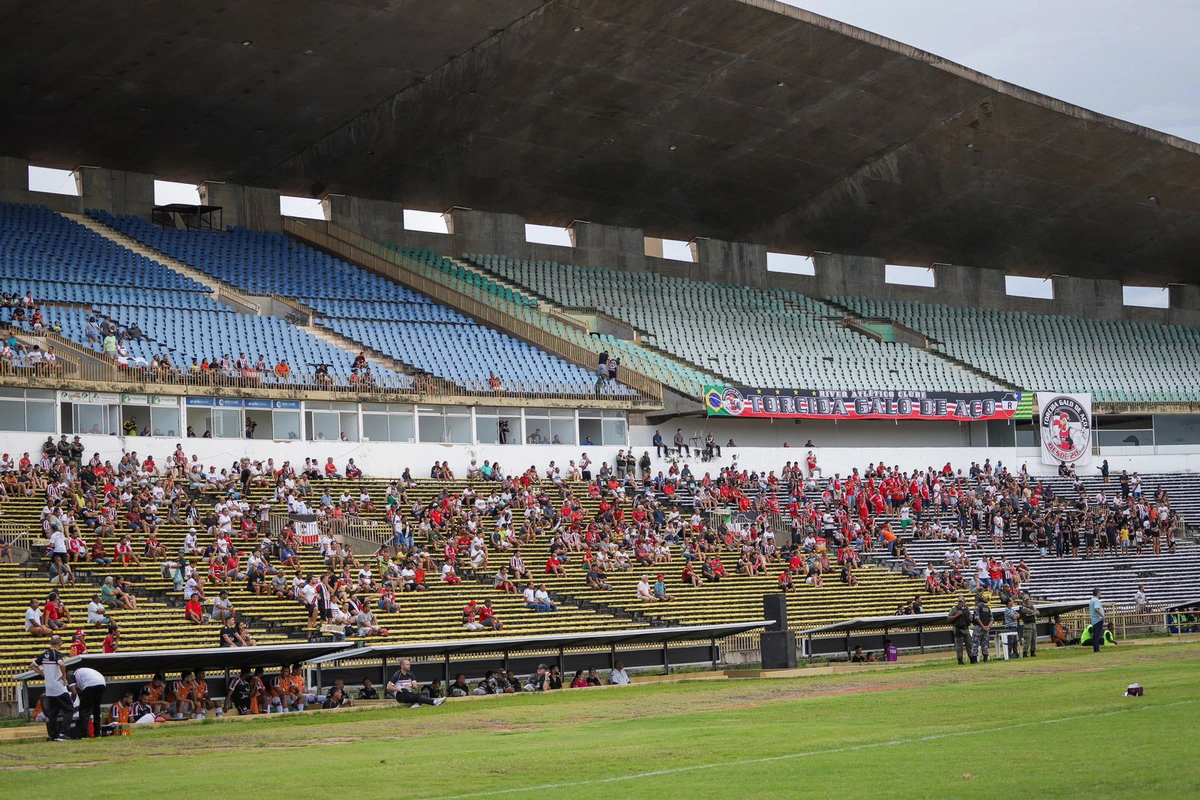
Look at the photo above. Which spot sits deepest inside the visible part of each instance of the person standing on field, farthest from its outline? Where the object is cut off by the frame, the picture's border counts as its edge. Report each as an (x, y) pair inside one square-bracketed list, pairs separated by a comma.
[(56, 699), (1096, 611), (1028, 626), (982, 632), (960, 619)]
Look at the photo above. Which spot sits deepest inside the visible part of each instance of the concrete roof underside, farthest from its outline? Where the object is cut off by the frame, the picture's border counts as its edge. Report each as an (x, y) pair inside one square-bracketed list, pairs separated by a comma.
[(744, 120)]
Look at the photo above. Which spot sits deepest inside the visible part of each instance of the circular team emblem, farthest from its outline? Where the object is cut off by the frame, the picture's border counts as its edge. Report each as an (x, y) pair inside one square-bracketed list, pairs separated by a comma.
[(732, 402), (1066, 429)]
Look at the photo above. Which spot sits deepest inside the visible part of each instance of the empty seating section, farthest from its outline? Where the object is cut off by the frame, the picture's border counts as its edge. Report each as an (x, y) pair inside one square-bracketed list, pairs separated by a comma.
[(73, 273), (1115, 360), (450, 267), (38, 245), (368, 308), (756, 337)]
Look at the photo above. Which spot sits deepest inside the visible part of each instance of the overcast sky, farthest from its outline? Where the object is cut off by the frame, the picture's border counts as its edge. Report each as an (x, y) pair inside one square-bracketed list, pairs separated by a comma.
[(1135, 60)]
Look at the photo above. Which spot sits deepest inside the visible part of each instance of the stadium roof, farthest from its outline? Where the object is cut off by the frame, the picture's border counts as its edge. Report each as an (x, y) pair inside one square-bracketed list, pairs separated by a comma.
[(456, 647), (745, 120), (139, 662)]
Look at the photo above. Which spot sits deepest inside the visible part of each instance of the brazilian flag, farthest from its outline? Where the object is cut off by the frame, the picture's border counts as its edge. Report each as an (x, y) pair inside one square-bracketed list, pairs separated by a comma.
[(714, 401)]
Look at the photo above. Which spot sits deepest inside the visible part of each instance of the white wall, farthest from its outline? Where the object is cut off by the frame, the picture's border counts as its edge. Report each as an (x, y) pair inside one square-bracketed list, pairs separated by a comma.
[(389, 459), (824, 433)]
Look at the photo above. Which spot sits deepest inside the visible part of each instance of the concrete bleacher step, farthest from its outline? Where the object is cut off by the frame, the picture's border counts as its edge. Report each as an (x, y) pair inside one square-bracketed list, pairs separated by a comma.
[(352, 345), (239, 301)]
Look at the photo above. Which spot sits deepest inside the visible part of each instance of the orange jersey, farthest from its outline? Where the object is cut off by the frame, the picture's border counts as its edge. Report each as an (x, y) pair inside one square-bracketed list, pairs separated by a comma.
[(156, 695), (120, 714)]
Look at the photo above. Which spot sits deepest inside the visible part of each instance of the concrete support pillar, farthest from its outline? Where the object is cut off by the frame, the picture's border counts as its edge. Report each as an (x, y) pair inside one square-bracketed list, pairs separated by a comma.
[(1185, 304), (609, 246), (730, 262), (849, 275), (244, 206), (968, 286), (1084, 297), (117, 191), (487, 232), (375, 219), (14, 180)]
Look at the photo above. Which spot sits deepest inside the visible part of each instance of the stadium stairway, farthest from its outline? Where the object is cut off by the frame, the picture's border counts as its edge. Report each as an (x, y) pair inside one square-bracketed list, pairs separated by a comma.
[(222, 292), (1169, 578), (676, 372), (851, 315)]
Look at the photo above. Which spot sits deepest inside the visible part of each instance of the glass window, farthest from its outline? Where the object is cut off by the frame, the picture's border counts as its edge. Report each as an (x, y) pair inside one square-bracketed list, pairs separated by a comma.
[(562, 430), (432, 427), (324, 426), (375, 428), (228, 424), (591, 428), (39, 417), (199, 419), (348, 429), (1001, 433), (615, 432), (91, 419), (12, 415), (164, 422), (285, 424), (537, 426), (402, 427), (1177, 429)]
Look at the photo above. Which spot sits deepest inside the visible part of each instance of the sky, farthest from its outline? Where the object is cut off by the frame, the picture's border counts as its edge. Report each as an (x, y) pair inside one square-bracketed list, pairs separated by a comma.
[(1134, 60)]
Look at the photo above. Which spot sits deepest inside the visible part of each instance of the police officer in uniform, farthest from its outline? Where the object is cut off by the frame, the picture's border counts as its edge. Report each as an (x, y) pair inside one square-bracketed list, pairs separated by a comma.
[(982, 632), (960, 619), (1028, 627)]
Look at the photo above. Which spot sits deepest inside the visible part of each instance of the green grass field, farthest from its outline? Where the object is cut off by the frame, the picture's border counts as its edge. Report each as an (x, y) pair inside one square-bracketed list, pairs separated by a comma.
[(1054, 727)]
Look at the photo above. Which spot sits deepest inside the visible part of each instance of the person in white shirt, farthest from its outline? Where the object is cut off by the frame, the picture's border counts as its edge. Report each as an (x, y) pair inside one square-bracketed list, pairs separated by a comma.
[(88, 685), (33, 620), (1139, 600), (643, 590), (618, 676), (95, 612)]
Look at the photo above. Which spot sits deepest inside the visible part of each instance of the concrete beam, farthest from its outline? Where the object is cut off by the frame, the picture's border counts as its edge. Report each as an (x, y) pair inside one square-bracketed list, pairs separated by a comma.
[(488, 232), (730, 262), (244, 206), (609, 246), (121, 193), (379, 220), (14, 188)]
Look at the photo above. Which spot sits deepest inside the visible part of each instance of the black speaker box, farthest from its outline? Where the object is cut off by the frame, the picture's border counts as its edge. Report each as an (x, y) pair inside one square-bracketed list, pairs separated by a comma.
[(775, 608), (778, 650)]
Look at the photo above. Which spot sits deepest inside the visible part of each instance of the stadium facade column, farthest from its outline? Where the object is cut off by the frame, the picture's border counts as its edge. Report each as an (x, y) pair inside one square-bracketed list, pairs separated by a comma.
[(1185, 304), (117, 191), (969, 287), (378, 220), (732, 262), (847, 275), (14, 188), (244, 206), (611, 246), (1085, 297), (488, 232)]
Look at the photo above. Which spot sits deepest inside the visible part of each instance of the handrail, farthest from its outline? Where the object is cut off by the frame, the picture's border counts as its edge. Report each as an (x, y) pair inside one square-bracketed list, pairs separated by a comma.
[(464, 298), (95, 377), (295, 305)]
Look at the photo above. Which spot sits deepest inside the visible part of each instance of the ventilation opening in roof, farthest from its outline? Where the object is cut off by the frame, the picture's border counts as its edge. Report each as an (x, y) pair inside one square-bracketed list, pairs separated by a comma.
[(790, 264), (1146, 296), (676, 250), (548, 234), (426, 221), (909, 276), (301, 207), (52, 181), (1037, 288), (169, 192)]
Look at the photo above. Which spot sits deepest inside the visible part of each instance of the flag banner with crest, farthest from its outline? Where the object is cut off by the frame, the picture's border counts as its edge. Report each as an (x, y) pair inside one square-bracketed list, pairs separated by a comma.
[(752, 403)]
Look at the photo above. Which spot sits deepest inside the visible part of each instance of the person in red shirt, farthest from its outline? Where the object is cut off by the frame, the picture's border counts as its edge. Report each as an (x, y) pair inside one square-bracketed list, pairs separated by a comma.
[(112, 642), (331, 469), (785, 582), (79, 645), (555, 567), (689, 575), (193, 611), (488, 618)]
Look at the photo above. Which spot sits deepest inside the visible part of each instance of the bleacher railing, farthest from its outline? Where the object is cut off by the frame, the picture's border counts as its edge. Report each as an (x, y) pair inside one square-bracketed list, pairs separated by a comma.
[(418, 388), (469, 300)]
